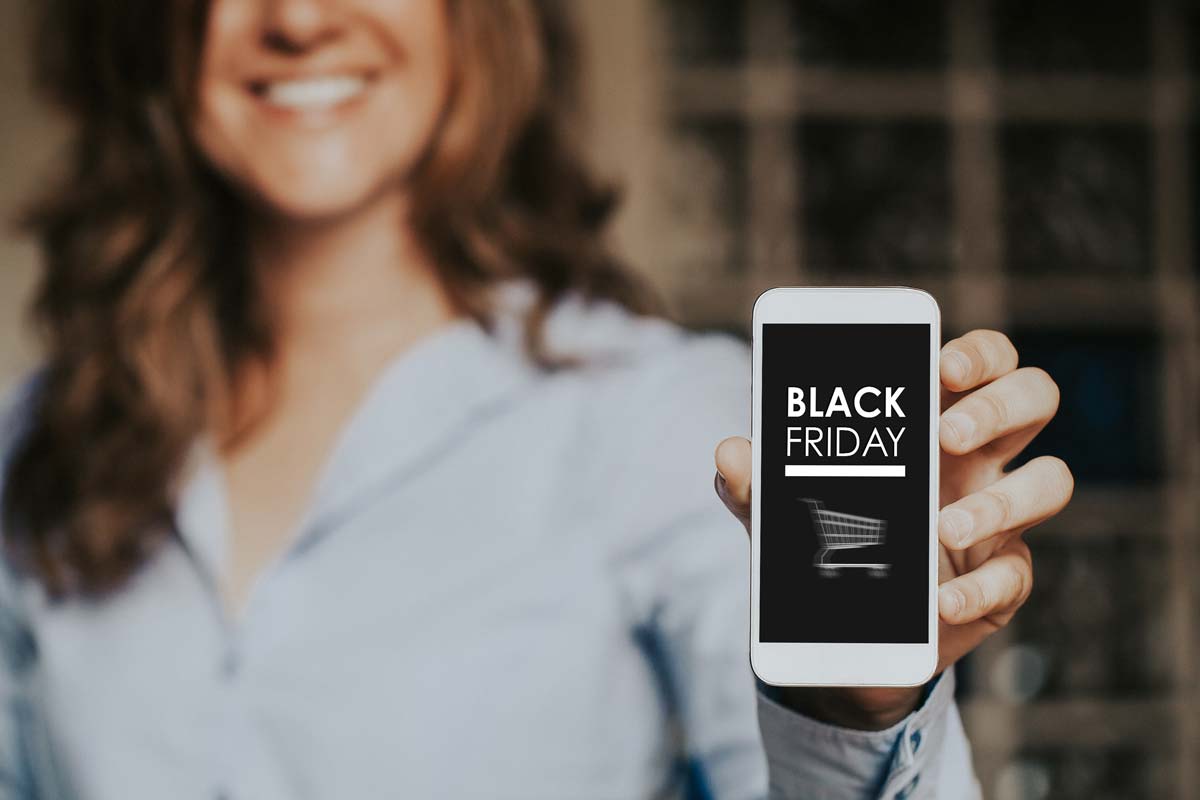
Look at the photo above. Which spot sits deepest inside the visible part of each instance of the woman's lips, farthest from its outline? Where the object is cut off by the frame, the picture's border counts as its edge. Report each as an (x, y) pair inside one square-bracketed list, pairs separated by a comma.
[(311, 97), (304, 94)]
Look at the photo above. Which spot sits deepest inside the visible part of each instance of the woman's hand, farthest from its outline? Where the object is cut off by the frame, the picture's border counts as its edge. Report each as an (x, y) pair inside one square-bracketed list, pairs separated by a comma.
[(992, 411)]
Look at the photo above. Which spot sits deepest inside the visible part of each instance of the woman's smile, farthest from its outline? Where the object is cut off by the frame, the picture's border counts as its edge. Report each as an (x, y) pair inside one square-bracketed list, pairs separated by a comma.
[(317, 92), (313, 100)]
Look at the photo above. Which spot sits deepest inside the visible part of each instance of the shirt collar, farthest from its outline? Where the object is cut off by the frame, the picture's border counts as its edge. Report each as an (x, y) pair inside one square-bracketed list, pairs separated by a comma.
[(442, 386)]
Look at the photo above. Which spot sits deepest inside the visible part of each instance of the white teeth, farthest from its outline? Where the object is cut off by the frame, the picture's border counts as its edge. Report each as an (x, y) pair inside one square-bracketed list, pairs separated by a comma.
[(313, 93)]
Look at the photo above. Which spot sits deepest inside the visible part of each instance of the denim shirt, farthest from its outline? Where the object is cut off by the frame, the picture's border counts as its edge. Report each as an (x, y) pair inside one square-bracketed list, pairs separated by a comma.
[(508, 583)]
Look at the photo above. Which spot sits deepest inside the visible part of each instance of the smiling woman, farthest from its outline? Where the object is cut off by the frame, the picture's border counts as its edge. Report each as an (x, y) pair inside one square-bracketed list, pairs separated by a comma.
[(210, 138)]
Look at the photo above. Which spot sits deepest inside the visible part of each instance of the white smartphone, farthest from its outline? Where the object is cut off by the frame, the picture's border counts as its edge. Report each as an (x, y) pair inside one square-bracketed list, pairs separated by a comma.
[(845, 487)]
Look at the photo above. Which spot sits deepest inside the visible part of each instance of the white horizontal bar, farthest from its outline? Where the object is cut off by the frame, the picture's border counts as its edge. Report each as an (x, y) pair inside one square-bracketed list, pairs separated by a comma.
[(843, 471)]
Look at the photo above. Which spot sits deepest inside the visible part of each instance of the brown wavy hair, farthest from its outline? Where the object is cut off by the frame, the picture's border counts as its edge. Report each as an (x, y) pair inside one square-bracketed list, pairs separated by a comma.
[(146, 306)]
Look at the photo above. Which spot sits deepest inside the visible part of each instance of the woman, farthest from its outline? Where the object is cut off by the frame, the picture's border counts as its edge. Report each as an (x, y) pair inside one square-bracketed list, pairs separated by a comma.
[(357, 466)]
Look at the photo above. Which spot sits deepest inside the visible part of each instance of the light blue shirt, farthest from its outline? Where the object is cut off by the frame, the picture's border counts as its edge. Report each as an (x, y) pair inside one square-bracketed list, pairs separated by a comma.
[(509, 583)]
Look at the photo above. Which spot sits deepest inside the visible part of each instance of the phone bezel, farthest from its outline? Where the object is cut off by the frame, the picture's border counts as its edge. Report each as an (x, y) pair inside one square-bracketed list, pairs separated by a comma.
[(845, 664)]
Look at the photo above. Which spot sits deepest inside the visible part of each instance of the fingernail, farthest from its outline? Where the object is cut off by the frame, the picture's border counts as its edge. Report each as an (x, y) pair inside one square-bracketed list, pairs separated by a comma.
[(958, 524), (961, 425), (955, 599), (957, 365)]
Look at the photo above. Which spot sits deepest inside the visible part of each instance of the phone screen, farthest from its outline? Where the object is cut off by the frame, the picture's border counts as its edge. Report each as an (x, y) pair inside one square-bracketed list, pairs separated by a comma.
[(844, 483)]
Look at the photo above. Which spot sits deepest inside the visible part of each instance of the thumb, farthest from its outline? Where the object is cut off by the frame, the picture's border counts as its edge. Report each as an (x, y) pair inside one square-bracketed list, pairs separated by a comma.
[(733, 458)]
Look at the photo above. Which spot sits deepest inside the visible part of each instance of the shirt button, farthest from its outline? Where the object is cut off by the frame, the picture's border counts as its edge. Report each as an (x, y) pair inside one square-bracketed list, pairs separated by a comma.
[(915, 740), (908, 790)]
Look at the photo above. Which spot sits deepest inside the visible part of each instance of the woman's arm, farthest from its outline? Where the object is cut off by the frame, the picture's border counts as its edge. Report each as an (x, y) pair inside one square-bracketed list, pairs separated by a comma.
[(684, 566), (926, 754), (690, 587)]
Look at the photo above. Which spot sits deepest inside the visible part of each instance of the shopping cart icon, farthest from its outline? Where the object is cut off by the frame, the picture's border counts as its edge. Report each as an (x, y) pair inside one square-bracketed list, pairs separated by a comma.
[(837, 531)]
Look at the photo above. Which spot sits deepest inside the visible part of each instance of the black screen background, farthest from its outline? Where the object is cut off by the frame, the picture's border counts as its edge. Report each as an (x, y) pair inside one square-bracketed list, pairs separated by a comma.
[(796, 603)]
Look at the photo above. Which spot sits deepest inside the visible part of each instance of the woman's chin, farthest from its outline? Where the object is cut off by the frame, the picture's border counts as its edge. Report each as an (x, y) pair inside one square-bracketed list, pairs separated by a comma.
[(314, 202)]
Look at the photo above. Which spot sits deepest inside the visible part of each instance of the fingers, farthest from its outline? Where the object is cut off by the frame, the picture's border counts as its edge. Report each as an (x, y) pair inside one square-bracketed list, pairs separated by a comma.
[(733, 458), (1021, 498), (732, 480), (1016, 401), (995, 590), (976, 358)]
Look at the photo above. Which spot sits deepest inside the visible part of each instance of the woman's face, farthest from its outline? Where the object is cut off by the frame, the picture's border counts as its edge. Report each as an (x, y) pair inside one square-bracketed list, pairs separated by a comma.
[(316, 107)]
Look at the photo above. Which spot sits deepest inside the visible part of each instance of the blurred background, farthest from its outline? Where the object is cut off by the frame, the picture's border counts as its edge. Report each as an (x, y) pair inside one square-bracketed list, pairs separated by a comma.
[(1034, 166)]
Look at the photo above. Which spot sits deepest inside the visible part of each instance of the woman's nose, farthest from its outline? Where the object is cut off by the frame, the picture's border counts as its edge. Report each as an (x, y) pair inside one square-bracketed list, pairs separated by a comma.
[(298, 25)]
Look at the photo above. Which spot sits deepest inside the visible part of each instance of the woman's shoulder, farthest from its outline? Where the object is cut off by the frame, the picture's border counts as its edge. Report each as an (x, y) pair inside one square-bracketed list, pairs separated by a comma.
[(656, 399), (664, 367)]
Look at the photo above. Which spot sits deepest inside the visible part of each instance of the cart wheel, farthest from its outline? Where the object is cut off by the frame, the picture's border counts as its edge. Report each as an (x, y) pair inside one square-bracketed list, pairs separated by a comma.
[(827, 572), (879, 572)]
